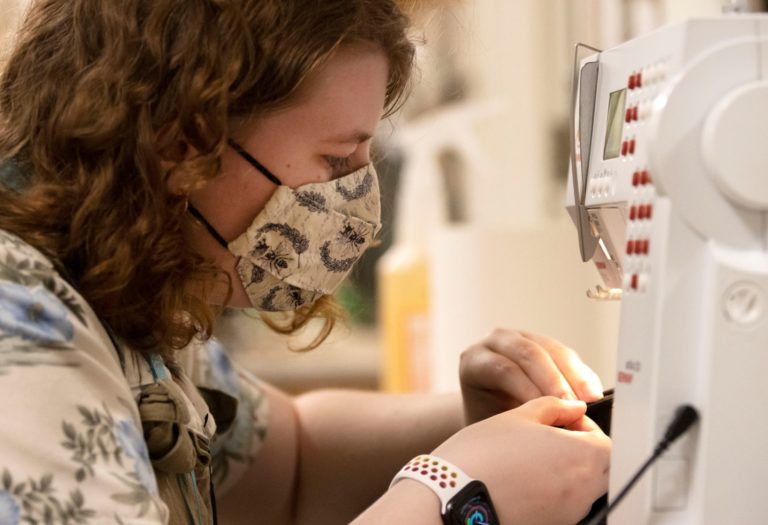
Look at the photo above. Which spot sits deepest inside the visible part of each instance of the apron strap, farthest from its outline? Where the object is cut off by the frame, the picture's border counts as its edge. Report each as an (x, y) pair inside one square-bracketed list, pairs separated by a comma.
[(157, 366)]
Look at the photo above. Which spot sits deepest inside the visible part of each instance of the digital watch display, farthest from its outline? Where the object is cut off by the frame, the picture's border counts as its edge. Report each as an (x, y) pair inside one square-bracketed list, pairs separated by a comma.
[(471, 506)]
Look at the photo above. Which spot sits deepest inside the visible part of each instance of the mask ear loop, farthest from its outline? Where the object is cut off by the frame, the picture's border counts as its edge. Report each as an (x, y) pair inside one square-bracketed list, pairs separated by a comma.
[(199, 217), (253, 162)]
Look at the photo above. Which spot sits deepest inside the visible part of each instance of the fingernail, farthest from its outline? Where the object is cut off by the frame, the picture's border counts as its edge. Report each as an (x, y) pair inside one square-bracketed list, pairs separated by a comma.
[(596, 389)]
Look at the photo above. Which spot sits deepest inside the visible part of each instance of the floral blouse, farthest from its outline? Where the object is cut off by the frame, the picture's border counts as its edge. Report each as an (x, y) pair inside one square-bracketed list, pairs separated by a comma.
[(72, 449)]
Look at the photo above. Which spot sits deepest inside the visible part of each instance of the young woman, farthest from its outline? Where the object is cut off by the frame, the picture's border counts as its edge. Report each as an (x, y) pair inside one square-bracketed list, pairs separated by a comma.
[(165, 158)]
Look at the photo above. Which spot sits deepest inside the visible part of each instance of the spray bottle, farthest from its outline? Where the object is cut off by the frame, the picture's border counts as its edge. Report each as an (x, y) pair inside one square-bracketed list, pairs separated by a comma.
[(428, 198)]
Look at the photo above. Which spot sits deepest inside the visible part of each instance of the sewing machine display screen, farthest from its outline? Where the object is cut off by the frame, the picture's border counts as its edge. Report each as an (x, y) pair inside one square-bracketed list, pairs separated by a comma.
[(614, 126)]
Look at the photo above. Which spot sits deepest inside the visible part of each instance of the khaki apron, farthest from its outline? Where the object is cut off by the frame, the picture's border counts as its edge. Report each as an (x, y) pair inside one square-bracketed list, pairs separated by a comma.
[(181, 456)]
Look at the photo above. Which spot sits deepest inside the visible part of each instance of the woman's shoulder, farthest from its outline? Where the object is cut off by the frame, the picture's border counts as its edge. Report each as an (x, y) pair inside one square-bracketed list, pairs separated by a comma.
[(72, 449), (39, 310), (23, 265), (37, 307), (45, 322)]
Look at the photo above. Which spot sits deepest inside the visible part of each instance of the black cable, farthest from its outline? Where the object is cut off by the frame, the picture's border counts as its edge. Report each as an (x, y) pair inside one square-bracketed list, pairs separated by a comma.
[(684, 419)]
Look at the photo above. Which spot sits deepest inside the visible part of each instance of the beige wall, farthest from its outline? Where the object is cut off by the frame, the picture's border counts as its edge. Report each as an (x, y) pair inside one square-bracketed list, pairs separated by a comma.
[(518, 52), (521, 52), (11, 12)]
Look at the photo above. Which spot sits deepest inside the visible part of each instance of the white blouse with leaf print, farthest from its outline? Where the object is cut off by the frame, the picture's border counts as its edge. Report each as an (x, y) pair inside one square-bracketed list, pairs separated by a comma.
[(71, 445)]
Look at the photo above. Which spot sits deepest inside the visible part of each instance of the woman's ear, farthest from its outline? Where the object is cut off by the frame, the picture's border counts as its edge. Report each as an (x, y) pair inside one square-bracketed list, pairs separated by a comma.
[(173, 150)]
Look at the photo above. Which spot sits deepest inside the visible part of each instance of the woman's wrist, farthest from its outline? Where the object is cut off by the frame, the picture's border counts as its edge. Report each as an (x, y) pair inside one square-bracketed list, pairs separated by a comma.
[(408, 501)]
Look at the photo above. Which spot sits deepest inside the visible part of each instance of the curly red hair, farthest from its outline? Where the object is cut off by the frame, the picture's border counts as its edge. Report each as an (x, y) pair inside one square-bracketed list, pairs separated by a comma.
[(85, 92)]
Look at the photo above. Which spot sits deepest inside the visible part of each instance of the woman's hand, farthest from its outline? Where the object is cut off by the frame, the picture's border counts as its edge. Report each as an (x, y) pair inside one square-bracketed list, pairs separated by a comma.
[(535, 473), (511, 367)]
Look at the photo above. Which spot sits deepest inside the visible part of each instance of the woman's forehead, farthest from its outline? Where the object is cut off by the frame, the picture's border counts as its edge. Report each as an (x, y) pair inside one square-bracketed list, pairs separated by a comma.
[(344, 98)]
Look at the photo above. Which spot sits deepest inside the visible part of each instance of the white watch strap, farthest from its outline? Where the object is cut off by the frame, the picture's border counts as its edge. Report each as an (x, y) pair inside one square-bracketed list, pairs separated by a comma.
[(444, 478)]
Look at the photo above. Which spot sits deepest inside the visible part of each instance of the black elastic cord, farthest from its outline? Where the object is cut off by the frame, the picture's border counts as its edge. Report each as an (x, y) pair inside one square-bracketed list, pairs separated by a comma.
[(253, 162), (199, 216), (214, 511), (684, 419)]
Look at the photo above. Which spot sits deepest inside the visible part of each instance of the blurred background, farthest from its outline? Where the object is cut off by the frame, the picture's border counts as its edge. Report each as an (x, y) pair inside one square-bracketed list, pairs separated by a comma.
[(473, 173)]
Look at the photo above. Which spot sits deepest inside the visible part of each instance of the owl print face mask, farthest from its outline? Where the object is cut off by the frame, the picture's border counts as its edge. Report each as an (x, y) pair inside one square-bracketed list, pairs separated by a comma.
[(306, 240)]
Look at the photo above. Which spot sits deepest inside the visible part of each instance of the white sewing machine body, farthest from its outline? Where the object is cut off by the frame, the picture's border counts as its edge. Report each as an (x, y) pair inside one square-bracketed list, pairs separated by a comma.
[(671, 131)]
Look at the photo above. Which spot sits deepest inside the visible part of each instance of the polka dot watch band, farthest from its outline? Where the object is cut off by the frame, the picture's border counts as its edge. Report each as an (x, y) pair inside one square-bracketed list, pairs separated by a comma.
[(444, 478)]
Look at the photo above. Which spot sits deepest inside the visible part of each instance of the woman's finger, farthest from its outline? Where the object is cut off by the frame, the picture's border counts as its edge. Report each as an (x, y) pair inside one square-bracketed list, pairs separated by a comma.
[(483, 369), (534, 360), (582, 379), (585, 424), (552, 411)]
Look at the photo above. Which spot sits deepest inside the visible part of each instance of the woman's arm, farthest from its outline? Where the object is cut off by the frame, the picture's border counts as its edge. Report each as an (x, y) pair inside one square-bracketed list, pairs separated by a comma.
[(266, 492), (353, 443), (408, 502), (535, 473), (329, 454)]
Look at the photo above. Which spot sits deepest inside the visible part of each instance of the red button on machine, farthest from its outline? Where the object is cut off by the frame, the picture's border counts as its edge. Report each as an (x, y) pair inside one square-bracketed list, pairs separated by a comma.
[(633, 213), (645, 178), (628, 116), (634, 113), (624, 148), (646, 246), (630, 247), (634, 281), (636, 178), (648, 211), (639, 80), (641, 212), (632, 147), (631, 81)]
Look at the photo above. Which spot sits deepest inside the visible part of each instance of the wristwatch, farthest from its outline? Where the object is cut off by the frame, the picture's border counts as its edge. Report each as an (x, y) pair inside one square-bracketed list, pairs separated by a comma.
[(463, 500)]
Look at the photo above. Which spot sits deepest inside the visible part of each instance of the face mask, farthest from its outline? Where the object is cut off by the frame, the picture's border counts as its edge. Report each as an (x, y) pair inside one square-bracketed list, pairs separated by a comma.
[(305, 241)]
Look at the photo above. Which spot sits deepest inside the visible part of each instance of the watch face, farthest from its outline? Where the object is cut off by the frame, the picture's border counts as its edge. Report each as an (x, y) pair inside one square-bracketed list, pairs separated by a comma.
[(471, 506)]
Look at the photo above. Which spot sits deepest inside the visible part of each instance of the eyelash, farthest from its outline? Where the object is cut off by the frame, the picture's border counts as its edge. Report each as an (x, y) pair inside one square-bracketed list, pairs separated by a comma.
[(337, 163)]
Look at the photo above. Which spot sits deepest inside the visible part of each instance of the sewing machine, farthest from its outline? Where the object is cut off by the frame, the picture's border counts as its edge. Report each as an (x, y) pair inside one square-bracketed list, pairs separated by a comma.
[(668, 188)]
